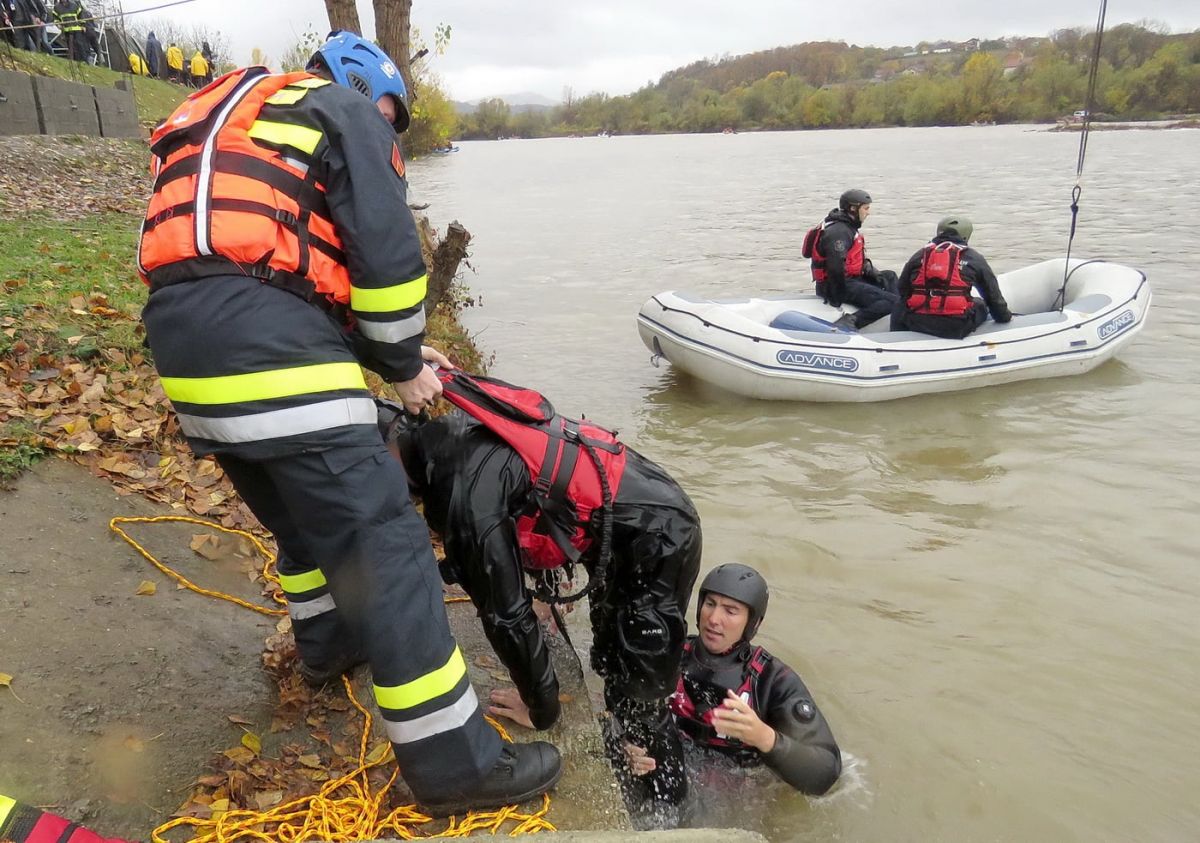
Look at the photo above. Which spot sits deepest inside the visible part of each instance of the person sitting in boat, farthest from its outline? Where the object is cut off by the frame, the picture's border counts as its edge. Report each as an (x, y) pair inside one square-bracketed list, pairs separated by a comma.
[(935, 286), (842, 271), (736, 699), (498, 520)]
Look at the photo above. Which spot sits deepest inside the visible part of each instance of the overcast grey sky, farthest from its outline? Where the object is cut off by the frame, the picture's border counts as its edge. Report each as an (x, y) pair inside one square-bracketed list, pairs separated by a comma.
[(617, 46)]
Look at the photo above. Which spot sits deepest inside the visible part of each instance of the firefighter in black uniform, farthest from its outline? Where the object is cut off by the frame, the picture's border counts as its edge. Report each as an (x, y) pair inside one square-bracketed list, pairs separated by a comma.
[(739, 700), (280, 255), (935, 286), (842, 271), (473, 486)]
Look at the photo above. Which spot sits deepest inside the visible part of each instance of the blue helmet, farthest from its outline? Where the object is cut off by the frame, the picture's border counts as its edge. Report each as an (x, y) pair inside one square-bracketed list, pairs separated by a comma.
[(355, 62)]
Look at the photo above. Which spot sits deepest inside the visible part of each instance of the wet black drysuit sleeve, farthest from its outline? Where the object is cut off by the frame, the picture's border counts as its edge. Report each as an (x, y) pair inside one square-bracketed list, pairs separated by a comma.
[(480, 538), (904, 284), (977, 270), (805, 754)]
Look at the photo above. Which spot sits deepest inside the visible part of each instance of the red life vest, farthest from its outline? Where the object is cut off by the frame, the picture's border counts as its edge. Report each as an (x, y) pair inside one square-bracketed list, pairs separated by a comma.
[(812, 249), (561, 455), (939, 288), (236, 195), (21, 823), (698, 725)]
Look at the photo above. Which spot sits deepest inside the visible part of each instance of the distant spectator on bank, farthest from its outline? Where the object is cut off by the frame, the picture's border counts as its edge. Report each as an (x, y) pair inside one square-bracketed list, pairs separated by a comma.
[(175, 63), (91, 33), (207, 52), (68, 15), (8, 20), (153, 55), (137, 66), (32, 14), (199, 70)]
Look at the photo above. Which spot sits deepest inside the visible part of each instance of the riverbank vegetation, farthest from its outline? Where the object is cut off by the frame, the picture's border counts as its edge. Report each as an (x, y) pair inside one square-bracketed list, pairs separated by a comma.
[(1144, 73)]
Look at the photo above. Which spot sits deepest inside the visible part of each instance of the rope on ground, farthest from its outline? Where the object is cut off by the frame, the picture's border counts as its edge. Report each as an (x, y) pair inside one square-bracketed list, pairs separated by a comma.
[(1060, 300), (346, 808)]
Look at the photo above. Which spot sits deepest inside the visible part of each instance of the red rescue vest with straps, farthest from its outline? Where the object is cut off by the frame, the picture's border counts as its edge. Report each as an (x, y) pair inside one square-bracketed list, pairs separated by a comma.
[(564, 458), (233, 197), (696, 721), (812, 249), (939, 288), (21, 823)]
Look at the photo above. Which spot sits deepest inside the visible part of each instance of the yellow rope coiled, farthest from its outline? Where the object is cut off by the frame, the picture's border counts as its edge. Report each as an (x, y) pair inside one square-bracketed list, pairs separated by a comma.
[(346, 808)]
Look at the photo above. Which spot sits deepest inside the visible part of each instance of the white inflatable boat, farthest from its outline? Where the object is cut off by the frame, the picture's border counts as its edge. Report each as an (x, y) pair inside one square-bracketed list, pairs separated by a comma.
[(732, 343)]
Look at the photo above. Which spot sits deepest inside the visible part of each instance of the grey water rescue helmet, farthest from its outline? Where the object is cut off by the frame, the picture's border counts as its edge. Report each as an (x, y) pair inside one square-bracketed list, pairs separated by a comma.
[(853, 198), (741, 583), (958, 225)]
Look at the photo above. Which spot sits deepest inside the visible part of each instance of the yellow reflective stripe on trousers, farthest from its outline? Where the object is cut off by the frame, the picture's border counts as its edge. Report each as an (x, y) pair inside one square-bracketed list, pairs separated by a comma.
[(388, 299), (7, 803), (285, 134), (300, 583), (260, 386), (424, 688)]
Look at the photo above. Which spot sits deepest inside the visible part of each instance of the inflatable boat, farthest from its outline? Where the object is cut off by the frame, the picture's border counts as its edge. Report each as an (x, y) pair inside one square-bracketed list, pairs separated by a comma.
[(788, 349)]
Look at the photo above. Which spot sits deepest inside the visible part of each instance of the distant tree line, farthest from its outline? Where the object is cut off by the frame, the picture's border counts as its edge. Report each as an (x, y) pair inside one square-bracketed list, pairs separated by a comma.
[(1145, 72)]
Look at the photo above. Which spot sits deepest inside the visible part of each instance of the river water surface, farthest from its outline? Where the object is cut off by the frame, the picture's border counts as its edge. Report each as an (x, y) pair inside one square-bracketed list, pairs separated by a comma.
[(993, 595)]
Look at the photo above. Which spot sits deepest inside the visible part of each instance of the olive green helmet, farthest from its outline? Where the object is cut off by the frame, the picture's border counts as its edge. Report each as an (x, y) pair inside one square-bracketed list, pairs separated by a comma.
[(956, 224)]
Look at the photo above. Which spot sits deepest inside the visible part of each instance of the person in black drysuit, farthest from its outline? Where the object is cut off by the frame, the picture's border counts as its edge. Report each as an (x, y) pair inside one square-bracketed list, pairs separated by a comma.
[(473, 484), (738, 700), (842, 271), (974, 269)]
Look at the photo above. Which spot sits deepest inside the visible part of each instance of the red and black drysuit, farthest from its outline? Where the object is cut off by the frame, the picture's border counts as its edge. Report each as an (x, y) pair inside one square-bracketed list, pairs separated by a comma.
[(805, 754), (953, 320), (843, 274), (474, 487)]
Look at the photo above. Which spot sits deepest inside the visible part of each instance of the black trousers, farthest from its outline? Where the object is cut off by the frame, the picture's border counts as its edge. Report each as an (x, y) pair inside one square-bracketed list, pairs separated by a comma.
[(343, 518)]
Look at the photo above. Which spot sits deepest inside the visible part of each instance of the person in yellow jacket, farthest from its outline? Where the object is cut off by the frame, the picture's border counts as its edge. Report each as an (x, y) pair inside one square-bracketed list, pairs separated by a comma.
[(281, 258), (136, 66), (175, 63), (199, 68)]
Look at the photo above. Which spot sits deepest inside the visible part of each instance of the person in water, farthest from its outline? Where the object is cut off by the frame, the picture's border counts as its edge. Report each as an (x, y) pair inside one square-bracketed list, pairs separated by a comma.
[(736, 699), (935, 286), (840, 267), (477, 492)]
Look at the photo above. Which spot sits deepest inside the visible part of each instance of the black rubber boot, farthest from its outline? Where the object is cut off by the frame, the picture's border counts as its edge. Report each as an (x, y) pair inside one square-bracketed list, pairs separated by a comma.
[(523, 771), (318, 678)]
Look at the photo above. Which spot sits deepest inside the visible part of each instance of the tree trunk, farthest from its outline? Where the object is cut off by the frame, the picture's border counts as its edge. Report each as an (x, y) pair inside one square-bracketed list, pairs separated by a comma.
[(442, 258), (392, 35), (343, 14)]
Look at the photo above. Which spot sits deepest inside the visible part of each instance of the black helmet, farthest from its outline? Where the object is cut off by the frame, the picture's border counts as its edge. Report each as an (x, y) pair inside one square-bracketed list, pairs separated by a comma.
[(854, 198), (742, 583), (957, 225)]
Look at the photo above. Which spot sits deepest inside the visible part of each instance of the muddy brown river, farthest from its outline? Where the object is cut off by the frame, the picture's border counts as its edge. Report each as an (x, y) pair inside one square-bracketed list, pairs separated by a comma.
[(992, 594)]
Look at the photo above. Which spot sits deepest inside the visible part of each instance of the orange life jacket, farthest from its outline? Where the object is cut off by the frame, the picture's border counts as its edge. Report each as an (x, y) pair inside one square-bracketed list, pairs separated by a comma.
[(939, 288), (226, 204), (812, 249)]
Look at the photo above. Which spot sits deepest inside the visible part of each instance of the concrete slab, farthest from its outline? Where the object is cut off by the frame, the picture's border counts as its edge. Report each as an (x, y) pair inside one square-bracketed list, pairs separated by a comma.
[(66, 108), (118, 113), (18, 105)]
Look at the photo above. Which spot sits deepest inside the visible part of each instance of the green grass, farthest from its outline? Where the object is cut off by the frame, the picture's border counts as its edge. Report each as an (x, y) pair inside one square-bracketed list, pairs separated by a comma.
[(46, 263), (16, 460), (156, 99)]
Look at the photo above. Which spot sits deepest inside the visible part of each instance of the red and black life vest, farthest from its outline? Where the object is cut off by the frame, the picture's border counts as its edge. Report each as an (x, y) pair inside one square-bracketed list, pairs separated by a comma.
[(696, 721), (575, 466), (235, 194), (939, 288), (812, 249), (21, 823)]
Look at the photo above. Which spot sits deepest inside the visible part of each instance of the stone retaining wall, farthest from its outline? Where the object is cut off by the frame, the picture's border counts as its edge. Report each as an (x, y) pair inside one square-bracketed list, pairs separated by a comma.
[(40, 105)]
